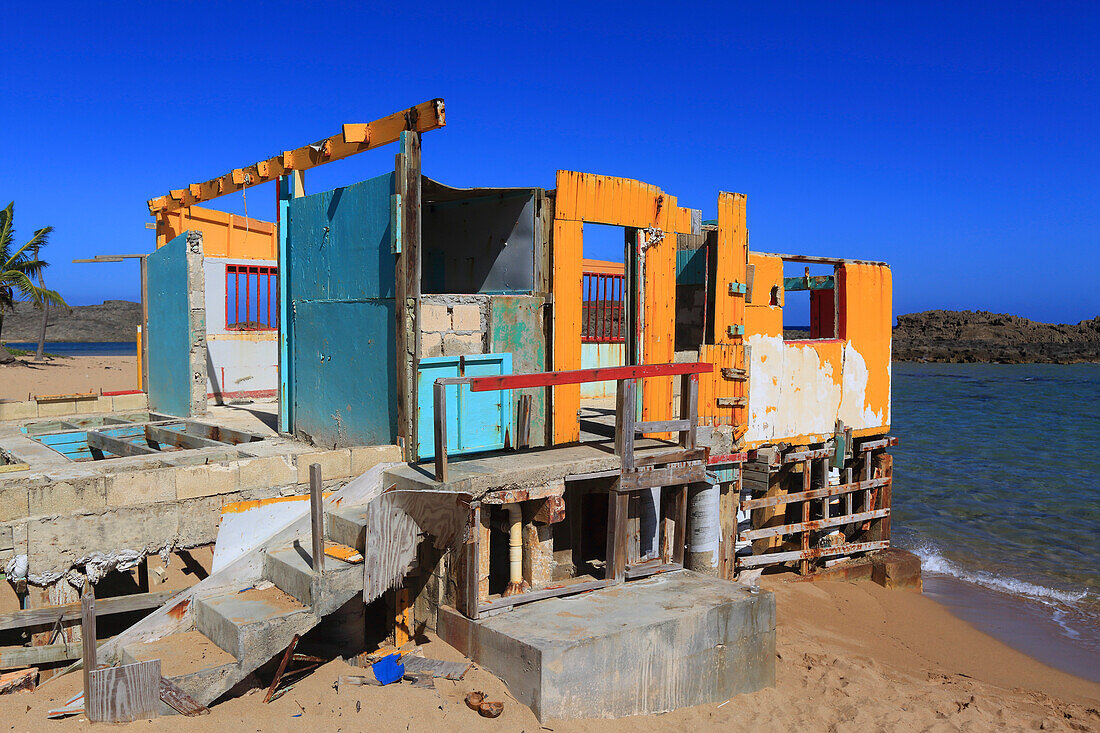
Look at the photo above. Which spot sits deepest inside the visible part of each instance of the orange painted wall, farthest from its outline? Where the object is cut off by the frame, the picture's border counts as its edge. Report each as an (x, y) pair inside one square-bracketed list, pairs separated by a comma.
[(223, 235), (866, 320), (585, 197)]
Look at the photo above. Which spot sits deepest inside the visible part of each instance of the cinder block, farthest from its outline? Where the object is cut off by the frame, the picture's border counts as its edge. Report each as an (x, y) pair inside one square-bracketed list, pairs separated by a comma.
[(67, 497), (434, 318), (13, 503), (141, 487), (56, 409), (211, 479), (334, 464), (363, 458), (262, 473), (125, 402), (466, 317), (7, 541), (463, 344), (21, 410), (431, 344), (99, 404)]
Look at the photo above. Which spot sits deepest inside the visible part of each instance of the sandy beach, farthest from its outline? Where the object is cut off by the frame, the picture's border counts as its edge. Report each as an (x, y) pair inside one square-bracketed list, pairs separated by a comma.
[(850, 655), (25, 378)]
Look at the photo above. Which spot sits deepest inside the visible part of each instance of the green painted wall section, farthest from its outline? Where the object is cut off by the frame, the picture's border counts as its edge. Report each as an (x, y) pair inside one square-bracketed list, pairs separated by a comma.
[(517, 327)]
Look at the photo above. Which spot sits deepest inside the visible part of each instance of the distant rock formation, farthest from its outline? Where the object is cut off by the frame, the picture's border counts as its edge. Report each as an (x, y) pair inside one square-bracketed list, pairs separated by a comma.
[(113, 320), (981, 336)]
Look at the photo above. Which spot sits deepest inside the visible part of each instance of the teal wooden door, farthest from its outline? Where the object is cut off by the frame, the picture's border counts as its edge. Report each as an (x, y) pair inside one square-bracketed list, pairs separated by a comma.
[(476, 421)]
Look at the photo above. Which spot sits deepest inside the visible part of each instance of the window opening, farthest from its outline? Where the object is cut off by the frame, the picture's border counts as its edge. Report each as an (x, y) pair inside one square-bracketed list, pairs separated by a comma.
[(809, 301)]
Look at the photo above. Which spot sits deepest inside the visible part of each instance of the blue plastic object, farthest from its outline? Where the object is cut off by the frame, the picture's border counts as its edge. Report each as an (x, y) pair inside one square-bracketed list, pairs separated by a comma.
[(388, 669)]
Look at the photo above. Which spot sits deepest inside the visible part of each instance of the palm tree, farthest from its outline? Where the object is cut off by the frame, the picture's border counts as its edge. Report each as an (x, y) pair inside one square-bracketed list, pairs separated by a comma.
[(20, 268)]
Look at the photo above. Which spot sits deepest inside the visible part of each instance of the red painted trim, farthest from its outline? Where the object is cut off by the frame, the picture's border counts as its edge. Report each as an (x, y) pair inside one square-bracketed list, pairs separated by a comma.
[(255, 394), (580, 376), (729, 458), (123, 392), (811, 341)]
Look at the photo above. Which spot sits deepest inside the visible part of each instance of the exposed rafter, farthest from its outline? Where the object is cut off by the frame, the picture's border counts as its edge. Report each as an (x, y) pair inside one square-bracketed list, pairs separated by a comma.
[(355, 138)]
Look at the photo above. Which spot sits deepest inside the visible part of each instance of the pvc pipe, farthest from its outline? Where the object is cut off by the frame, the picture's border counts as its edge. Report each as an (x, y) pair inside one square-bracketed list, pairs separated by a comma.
[(515, 544)]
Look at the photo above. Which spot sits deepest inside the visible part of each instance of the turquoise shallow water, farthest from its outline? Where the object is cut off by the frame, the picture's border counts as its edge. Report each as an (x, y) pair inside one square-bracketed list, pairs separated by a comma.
[(997, 487)]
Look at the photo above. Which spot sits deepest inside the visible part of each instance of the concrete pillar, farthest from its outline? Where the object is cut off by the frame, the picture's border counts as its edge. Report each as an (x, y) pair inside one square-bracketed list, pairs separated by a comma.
[(703, 527), (196, 301)]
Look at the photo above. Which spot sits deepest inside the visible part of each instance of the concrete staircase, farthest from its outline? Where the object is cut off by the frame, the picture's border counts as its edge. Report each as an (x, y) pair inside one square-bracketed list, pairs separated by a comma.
[(238, 630)]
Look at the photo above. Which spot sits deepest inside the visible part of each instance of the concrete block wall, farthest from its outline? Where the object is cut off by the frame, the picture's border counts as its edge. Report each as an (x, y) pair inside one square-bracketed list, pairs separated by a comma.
[(196, 303), (57, 520), (30, 409), (454, 325)]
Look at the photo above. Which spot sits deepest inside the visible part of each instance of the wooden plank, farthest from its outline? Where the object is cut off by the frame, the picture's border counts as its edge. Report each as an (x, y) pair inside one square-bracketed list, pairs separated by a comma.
[(50, 615), (840, 490), (807, 455), (553, 591), (439, 400), (523, 422), (676, 456), (666, 476), (14, 657), (732, 401), (469, 590), (180, 439), (662, 426), (652, 567), (578, 376), (180, 701), (734, 374), (352, 139), (804, 539), (806, 525), (876, 444), (772, 558), (23, 680), (317, 518), (111, 444), (88, 637), (124, 694), (625, 412), (618, 509)]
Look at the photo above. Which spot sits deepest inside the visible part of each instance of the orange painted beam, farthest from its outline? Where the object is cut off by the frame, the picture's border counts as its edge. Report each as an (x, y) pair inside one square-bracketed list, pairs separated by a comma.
[(352, 139)]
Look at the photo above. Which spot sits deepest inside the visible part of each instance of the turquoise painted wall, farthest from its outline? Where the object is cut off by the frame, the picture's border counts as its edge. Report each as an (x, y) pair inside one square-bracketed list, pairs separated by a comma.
[(476, 421), (341, 339), (168, 338)]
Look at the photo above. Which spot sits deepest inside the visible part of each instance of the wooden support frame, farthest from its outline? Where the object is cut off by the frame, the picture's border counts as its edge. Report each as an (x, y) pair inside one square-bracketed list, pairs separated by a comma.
[(186, 441), (101, 442), (354, 138), (32, 617)]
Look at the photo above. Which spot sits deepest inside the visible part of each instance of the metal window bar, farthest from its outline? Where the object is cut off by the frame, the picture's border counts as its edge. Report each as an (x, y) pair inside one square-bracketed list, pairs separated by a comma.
[(603, 308), (260, 291)]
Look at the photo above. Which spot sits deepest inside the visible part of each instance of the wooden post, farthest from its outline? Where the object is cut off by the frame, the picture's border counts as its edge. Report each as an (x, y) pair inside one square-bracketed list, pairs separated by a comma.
[(439, 398), (87, 633), (689, 407), (625, 418), (807, 472), (523, 422), (618, 510), (867, 476), (317, 517), (467, 593), (679, 537), (402, 622)]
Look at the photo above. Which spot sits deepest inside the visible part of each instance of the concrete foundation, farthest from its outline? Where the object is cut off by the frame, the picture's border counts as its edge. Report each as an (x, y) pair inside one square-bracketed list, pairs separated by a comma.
[(648, 646)]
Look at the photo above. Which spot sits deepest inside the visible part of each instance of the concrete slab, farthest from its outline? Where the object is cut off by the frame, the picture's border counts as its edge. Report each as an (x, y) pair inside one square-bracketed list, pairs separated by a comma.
[(291, 570), (252, 625), (647, 646), (194, 663)]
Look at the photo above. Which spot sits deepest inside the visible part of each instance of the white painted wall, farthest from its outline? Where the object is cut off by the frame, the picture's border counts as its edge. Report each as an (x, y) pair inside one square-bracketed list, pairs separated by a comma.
[(241, 363)]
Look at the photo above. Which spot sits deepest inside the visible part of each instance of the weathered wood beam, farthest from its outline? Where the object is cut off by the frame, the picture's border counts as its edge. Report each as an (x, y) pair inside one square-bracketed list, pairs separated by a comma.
[(772, 558), (71, 611), (813, 282), (809, 526), (158, 434), (840, 490), (353, 138), (111, 444), (14, 657)]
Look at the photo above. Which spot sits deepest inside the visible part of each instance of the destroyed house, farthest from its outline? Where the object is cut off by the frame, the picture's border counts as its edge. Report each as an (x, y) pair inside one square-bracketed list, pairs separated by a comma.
[(547, 427)]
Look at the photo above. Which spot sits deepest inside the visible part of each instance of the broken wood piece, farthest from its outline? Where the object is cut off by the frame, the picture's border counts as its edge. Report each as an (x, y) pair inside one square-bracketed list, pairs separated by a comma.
[(24, 680), (73, 706), (180, 701), (282, 666), (124, 694), (343, 553), (356, 681), (436, 667), (550, 511)]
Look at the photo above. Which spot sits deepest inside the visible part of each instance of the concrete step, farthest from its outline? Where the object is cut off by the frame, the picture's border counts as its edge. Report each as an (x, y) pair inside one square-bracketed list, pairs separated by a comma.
[(291, 570), (193, 662), (253, 625), (347, 526)]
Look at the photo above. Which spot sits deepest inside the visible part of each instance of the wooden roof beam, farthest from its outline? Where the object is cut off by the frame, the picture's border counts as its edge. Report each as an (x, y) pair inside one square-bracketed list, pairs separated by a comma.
[(352, 139)]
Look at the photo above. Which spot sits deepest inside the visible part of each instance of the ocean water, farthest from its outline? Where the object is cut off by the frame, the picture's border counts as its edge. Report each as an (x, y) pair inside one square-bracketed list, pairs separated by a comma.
[(81, 348), (997, 489)]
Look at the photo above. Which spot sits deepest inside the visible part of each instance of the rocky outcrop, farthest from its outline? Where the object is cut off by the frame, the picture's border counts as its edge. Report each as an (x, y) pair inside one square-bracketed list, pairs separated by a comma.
[(981, 336), (112, 320)]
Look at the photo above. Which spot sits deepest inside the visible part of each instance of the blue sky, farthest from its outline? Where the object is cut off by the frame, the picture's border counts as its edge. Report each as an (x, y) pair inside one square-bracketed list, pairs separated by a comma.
[(959, 142)]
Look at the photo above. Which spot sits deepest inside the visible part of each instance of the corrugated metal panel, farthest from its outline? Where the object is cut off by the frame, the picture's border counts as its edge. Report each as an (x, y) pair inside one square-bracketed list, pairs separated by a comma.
[(476, 421)]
